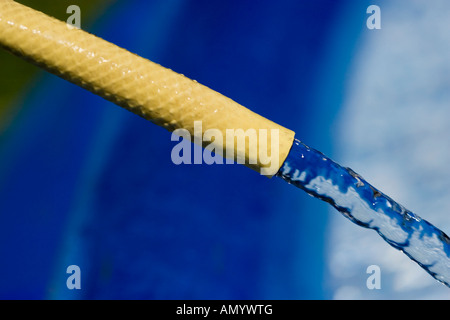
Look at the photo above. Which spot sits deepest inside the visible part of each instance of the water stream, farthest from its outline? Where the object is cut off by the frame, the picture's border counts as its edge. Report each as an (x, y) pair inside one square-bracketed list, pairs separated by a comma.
[(356, 199)]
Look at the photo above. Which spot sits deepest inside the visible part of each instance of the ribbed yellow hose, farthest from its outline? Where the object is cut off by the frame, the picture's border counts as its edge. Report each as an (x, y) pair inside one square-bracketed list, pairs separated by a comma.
[(145, 88)]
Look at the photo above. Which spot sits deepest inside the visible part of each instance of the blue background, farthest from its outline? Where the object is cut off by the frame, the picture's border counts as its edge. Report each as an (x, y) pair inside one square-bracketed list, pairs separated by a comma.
[(85, 182)]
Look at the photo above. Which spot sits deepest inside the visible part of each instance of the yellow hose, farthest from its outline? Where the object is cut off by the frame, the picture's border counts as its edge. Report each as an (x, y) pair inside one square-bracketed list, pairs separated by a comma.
[(145, 88)]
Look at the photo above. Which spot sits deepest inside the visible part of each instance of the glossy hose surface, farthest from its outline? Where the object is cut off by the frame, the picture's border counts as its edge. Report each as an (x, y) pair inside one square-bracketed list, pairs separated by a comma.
[(145, 88)]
